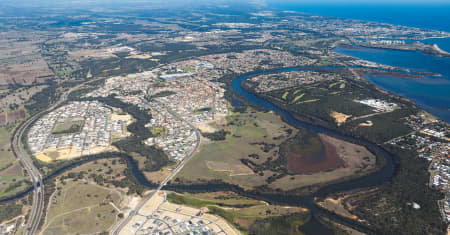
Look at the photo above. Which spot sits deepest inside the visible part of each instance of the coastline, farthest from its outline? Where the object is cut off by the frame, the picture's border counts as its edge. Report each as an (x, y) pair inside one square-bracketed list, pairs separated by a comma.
[(443, 42), (438, 49), (368, 115), (426, 93), (415, 14), (428, 49)]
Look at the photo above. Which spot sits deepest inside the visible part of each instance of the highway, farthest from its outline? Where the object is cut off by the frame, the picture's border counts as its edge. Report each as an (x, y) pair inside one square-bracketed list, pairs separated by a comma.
[(27, 162), (134, 212), (36, 179)]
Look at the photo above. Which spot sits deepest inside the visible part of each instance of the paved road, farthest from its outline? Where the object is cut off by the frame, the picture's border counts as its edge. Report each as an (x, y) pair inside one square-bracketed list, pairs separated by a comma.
[(117, 230), (35, 175), (151, 216)]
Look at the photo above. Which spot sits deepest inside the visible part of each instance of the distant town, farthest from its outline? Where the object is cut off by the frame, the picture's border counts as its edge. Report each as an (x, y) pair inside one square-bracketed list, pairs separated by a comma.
[(218, 118)]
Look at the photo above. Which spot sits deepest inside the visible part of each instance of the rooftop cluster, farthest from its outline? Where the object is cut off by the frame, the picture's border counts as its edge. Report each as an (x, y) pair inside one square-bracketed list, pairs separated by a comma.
[(431, 140), (82, 127), (270, 82), (178, 96)]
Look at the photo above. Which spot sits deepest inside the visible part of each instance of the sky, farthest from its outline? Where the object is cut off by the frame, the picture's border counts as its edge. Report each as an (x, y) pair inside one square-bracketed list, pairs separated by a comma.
[(83, 4), (361, 1), (181, 2)]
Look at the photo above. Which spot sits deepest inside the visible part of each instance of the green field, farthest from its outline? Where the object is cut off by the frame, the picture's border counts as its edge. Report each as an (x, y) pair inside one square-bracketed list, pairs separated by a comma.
[(298, 97), (251, 156), (162, 94), (340, 83), (6, 155), (12, 179), (9, 211), (68, 126), (202, 110), (107, 172), (243, 213), (324, 62), (158, 131), (222, 159), (79, 207), (63, 73), (319, 99), (296, 91), (384, 128), (188, 69), (200, 200), (280, 224), (268, 219)]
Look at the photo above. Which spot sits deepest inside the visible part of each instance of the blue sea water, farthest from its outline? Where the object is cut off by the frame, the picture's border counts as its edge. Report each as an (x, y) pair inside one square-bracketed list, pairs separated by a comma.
[(443, 43), (420, 15), (433, 93), (428, 16)]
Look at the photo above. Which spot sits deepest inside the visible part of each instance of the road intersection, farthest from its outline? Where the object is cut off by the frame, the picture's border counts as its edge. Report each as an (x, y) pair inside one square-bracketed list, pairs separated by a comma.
[(27, 162)]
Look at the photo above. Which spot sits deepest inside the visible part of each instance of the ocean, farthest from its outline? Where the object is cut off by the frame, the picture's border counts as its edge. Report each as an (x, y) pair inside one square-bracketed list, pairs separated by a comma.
[(431, 94), (427, 16)]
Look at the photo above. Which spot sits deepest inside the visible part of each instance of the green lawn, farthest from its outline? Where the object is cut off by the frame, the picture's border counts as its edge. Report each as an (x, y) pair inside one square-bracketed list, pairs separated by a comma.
[(298, 97), (158, 131), (188, 69), (285, 95), (68, 126), (324, 62)]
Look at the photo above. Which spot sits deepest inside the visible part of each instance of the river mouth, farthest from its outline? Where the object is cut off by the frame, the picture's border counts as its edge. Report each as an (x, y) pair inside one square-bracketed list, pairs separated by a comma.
[(431, 93)]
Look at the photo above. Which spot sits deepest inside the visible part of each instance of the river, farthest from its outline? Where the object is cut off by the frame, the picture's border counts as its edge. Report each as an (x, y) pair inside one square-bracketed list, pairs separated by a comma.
[(370, 180), (313, 226), (432, 93)]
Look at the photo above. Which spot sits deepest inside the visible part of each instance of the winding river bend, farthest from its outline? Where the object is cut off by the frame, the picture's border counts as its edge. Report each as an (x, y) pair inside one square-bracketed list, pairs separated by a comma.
[(376, 178), (313, 226), (373, 179)]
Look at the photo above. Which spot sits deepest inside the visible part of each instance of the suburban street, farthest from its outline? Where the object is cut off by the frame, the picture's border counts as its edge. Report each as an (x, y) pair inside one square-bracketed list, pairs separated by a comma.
[(174, 172), (35, 175), (170, 227)]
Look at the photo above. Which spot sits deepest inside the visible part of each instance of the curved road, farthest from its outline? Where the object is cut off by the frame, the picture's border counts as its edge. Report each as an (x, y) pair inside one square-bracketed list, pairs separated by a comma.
[(35, 175)]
